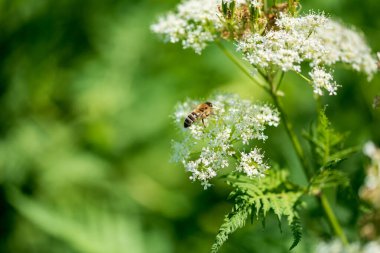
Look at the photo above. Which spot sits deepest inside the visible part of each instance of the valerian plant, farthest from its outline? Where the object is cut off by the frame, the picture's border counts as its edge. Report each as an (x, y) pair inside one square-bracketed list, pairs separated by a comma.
[(274, 38)]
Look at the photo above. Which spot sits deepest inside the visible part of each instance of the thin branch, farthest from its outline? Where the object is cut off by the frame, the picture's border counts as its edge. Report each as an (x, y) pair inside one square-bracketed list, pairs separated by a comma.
[(332, 219), (253, 78)]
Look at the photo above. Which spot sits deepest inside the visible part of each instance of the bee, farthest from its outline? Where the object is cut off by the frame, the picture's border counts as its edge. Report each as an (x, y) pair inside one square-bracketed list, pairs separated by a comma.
[(201, 112)]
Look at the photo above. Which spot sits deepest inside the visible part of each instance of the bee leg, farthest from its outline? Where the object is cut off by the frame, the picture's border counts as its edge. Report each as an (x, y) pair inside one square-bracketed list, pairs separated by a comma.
[(203, 123)]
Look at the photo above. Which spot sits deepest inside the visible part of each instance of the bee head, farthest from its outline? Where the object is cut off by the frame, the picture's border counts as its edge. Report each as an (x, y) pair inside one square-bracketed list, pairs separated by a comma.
[(209, 104)]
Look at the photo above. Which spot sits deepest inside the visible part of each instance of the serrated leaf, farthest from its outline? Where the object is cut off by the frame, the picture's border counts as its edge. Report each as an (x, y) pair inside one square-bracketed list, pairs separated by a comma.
[(233, 221), (296, 228), (327, 144), (259, 196), (327, 179)]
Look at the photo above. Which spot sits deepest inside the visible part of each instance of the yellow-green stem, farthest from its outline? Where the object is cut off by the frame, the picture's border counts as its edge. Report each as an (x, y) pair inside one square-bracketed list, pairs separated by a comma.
[(333, 221)]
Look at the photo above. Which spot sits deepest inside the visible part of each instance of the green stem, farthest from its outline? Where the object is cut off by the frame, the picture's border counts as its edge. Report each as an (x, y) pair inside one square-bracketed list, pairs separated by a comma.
[(293, 138), (241, 67), (265, 5), (334, 223), (304, 77), (279, 81), (272, 90)]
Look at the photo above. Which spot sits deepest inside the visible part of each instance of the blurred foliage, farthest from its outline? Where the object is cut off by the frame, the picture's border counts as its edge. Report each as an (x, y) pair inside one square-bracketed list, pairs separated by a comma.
[(85, 94)]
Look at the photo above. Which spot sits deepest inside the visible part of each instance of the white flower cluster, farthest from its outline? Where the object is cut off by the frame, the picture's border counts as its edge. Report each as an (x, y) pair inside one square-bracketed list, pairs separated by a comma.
[(323, 79), (193, 24), (196, 22), (205, 150), (252, 164), (313, 38), (336, 246)]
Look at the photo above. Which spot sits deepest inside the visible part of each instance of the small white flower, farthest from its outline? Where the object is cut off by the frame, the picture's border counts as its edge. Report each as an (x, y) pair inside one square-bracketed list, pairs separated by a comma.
[(204, 151), (256, 4), (192, 24), (196, 131), (252, 163), (195, 23), (323, 80)]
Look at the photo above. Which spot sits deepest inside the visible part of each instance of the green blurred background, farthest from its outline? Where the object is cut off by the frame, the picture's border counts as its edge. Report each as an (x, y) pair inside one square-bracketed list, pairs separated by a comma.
[(86, 91)]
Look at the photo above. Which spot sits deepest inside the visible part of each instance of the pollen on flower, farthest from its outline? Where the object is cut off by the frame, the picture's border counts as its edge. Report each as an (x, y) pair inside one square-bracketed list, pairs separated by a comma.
[(204, 151)]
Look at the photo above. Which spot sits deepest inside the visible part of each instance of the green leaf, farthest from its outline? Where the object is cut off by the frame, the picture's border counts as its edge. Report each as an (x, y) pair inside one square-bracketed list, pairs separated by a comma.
[(327, 144), (258, 197), (296, 228), (328, 178), (234, 220)]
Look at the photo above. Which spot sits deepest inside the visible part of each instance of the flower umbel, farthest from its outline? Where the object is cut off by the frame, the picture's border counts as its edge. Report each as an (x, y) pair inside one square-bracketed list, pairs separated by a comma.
[(192, 24), (195, 23), (313, 38), (271, 39), (204, 151)]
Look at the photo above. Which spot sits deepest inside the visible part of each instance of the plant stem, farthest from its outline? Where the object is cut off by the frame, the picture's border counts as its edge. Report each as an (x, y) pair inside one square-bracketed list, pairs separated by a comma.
[(265, 4), (241, 67), (293, 138), (272, 90), (332, 219)]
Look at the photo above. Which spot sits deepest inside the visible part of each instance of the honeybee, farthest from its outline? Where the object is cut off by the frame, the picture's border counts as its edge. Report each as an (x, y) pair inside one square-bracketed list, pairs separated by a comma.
[(201, 112)]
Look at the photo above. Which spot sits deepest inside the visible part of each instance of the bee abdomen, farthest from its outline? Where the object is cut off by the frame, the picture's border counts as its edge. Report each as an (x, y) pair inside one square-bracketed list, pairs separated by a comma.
[(190, 119)]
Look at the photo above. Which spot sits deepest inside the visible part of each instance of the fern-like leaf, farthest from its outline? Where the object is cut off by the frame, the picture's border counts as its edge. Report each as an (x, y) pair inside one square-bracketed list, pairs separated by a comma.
[(234, 220), (296, 228), (327, 144), (257, 197), (327, 179), (273, 192)]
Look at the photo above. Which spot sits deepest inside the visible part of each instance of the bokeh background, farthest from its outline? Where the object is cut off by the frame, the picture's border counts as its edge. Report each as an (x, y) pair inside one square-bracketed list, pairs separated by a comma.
[(86, 91)]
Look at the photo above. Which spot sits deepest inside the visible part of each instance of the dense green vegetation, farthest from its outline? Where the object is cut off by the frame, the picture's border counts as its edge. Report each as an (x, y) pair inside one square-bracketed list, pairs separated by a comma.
[(86, 91)]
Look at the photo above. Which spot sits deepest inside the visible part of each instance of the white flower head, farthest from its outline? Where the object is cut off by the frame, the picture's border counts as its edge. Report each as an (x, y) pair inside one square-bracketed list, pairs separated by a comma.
[(205, 150), (195, 23), (252, 163), (192, 24), (314, 38), (323, 80)]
